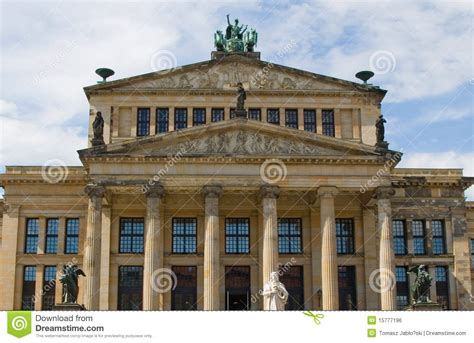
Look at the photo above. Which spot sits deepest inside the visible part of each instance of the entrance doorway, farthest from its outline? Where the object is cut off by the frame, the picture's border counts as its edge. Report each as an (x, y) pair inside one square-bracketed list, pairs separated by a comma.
[(237, 288)]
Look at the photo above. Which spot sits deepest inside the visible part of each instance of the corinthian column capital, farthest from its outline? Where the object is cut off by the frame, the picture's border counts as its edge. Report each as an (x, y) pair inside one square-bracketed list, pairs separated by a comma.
[(155, 191), (269, 191), (384, 192), (95, 191), (327, 191), (211, 191)]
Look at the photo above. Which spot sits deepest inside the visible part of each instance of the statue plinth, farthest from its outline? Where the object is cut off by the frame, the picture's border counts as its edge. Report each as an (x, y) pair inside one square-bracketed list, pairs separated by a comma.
[(68, 307), (240, 114), (381, 145), (97, 141), (217, 55), (425, 307)]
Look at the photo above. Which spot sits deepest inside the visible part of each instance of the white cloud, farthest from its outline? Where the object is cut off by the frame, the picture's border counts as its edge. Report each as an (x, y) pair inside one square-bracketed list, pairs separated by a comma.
[(447, 159)]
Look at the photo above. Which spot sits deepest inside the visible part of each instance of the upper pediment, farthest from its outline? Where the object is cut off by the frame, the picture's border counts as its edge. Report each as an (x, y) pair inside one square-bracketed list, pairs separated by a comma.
[(235, 138), (225, 73)]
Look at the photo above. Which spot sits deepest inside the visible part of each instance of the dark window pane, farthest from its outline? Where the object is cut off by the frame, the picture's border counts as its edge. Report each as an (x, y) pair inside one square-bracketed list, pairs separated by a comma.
[(419, 239), (344, 236), (328, 122), (439, 243), (217, 114), (309, 117), (130, 288), (291, 119), (255, 114), (52, 225), (184, 293), (143, 122), (273, 116), (31, 237), (289, 236), (28, 289), (49, 288), (237, 288), (347, 288), (72, 236), (180, 118), (402, 287), (184, 236), (131, 235), (162, 120), (399, 237), (199, 116), (442, 286), (237, 235), (292, 278)]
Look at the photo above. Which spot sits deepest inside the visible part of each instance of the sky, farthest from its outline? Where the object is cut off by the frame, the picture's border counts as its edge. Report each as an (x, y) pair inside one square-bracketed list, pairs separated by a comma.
[(421, 52)]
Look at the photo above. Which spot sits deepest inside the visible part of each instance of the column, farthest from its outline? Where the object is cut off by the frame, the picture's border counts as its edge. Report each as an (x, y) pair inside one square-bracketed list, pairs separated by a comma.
[(8, 252), (91, 262), (211, 247), (153, 236), (269, 196), (386, 254), (105, 259), (328, 250)]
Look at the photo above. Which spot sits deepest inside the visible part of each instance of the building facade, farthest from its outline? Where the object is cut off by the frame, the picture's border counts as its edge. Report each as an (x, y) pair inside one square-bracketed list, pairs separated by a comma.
[(188, 206)]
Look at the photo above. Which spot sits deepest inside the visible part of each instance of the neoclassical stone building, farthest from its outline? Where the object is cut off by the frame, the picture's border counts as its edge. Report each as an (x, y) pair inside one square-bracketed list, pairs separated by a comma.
[(183, 188)]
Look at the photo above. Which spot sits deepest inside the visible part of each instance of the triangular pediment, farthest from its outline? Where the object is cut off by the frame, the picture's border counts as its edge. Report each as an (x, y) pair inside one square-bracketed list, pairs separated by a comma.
[(235, 138), (225, 73)]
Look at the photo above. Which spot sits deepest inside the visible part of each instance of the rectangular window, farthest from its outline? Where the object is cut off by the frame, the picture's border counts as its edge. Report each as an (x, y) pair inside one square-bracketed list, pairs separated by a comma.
[(255, 114), (52, 225), (237, 288), (237, 236), (143, 122), (130, 288), (289, 236), (442, 286), (180, 118), (217, 114), (131, 235), (399, 237), (345, 236), (184, 235), (403, 290), (184, 292), (309, 119), (71, 245), (293, 281), (439, 241), (291, 118), (347, 288), (199, 116), (273, 116), (28, 291), (419, 238), (49, 288), (31, 237), (328, 122), (232, 113), (162, 120)]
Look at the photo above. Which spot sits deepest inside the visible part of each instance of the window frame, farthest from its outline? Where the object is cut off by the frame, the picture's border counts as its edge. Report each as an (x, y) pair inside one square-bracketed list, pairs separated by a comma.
[(219, 111), (441, 237), (185, 236), (195, 114), (277, 111), (292, 124), (442, 286), (308, 124), (176, 121), (143, 123), (34, 236), (398, 237), (328, 126), (30, 287), (160, 121), (351, 286), (418, 237), (345, 239), (295, 294), (127, 289), (290, 236), (180, 290), (237, 236), (74, 236), (253, 111), (50, 293), (51, 236), (132, 235), (402, 287)]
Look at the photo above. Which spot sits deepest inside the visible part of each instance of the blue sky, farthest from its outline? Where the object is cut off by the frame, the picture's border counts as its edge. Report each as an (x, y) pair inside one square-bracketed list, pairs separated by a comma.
[(422, 54)]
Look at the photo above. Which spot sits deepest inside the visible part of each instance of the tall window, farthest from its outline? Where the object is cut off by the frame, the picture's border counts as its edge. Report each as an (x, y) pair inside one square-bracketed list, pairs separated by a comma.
[(71, 245), (29, 285), (217, 114), (289, 236), (237, 235), (131, 235), (442, 287), (403, 288), (143, 122), (130, 288), (184, 236), (237, 288), (31, 239), (328, 122), (439, 242), (49, 287), (199, 116), (347, 288), (52, 236), (180, 118), (273, 116), (419, 239), (293, 281), (162, 120), (399, 237), (344, 236), (232, 113), (255, 114), (184, 292), (291, 118), (309, 118)]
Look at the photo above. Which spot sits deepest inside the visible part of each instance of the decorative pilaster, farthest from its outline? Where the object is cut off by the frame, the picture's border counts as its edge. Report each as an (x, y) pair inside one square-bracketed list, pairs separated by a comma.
[(153, 236), (386, 254), (328, 249), (269, 196), (211, 247), (92, 249)]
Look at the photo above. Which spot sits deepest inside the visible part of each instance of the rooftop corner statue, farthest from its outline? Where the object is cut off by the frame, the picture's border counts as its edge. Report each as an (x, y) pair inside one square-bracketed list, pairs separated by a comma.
[(236, 39)]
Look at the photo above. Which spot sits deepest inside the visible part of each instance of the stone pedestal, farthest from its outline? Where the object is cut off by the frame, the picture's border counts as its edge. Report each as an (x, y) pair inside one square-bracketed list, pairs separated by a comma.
[(68, 307), (217, 55), (425, 307), (240, 114)]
